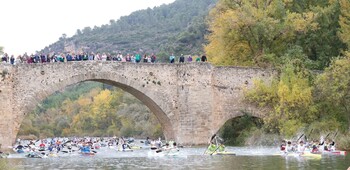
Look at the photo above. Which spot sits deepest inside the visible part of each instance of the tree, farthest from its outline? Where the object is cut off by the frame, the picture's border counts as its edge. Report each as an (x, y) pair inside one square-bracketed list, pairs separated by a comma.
[(333, 89), (289, 99), (245, 32)]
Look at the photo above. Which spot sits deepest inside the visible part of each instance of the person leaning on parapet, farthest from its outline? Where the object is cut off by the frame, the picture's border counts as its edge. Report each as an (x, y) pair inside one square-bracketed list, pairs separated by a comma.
[(189, 58), (182, 59), (204, 58), (172, 58), (198, 59), (153, 58)]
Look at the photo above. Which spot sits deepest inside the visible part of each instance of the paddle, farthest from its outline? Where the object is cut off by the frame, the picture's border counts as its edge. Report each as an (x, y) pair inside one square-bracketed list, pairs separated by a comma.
[(308, 135), (335, 135), (325, 139), (300, 137)]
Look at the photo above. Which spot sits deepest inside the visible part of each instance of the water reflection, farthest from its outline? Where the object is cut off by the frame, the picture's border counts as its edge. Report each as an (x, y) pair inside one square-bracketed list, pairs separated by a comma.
[(190, 158)]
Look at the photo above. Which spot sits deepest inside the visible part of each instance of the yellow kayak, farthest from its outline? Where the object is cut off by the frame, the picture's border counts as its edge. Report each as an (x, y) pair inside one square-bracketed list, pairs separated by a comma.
[(222, 153), (313, 155), (304, 154)]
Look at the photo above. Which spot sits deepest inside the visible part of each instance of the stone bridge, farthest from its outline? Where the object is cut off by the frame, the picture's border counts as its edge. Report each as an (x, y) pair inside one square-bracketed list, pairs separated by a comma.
[(191, 101)]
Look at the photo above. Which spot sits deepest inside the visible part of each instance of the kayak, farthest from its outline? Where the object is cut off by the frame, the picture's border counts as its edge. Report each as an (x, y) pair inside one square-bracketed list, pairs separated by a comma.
[(304, 154), (52, 155), (136, 147), (87, 153), (126, 150), (344, 153), (161, 153), (224, 153), (4, 155), (36, 156), (313, 155)]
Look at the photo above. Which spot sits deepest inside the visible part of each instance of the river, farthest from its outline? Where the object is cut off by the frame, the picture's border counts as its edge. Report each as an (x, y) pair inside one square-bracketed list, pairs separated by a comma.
[(190, 158)]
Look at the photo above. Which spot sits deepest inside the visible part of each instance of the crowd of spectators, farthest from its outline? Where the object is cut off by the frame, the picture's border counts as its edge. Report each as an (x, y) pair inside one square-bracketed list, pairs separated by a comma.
[(68, 57)]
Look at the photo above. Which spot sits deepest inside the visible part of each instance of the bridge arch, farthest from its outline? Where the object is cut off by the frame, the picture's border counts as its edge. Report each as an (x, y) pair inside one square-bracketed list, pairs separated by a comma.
[(48, 83), (235, 115)]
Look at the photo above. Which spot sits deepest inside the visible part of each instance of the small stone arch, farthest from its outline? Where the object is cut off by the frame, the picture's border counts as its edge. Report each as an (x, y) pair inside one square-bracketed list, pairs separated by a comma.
[(234, 115)]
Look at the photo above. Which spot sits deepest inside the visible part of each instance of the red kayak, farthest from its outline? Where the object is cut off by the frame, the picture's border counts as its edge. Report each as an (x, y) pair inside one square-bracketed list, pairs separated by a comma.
[(335, 152)]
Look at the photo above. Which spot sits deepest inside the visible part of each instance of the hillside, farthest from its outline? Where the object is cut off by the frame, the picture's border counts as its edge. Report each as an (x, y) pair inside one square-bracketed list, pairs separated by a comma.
[(175, 28)]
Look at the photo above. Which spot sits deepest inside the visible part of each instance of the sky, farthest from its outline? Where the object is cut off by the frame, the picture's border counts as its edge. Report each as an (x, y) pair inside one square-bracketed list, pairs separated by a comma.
[(30, 25)]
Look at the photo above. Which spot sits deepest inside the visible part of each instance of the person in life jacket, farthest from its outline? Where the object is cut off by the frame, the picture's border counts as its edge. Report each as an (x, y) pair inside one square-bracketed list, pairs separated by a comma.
[(42, 146), (289, 147), (283, 146), (301, 147), (211, 148)]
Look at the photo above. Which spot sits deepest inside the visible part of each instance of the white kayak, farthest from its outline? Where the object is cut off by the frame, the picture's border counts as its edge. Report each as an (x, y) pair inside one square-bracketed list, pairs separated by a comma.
[(161, 153)]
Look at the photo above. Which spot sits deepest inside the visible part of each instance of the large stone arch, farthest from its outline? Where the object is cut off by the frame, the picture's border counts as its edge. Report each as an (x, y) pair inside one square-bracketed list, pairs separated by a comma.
[(41, 83)]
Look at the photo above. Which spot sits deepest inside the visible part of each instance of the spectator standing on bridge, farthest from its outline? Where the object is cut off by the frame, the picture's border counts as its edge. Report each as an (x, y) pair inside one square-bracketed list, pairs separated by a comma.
[(4, 58), (69, 57), (132, 59), (12, 60), (104, 57), (91, 56), (145, 60), (172, 58), (137, 58), (128, 58)]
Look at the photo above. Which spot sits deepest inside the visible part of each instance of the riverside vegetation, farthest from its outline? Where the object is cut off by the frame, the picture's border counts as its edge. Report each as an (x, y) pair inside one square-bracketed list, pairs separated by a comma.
[(306, 42), (295, 38)]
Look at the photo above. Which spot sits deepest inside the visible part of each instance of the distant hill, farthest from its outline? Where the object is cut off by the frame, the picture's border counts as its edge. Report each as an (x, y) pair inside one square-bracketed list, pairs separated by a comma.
[(177, 28)]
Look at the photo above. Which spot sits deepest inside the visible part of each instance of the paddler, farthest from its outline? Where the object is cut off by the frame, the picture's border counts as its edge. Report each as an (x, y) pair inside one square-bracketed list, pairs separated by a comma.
[(301, 147), (283, 146), (289, 147)]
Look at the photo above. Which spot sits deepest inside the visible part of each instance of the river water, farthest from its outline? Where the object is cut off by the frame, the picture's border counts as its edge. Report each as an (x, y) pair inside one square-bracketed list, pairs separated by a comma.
[(189, 158)]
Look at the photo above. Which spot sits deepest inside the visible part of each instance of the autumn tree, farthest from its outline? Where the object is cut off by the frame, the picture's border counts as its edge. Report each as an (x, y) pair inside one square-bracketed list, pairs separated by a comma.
[(245, 32), (288, 98)]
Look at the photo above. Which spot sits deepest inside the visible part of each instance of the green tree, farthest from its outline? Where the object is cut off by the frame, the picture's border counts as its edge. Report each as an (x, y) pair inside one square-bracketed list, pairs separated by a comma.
[(333, 92)]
